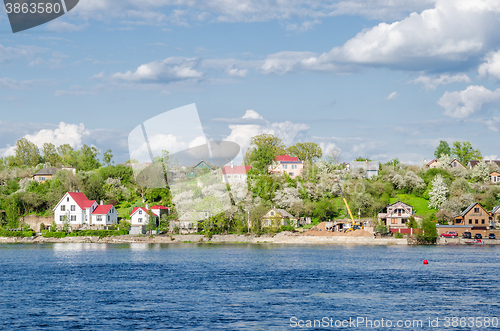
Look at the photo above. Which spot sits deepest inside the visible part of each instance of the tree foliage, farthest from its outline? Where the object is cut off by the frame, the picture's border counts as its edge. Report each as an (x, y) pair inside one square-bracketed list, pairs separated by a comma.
[(464, 152), (442, 148), (307, 152)]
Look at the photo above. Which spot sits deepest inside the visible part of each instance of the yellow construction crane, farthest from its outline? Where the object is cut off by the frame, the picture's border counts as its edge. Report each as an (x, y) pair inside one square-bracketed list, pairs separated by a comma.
[(354, 225)]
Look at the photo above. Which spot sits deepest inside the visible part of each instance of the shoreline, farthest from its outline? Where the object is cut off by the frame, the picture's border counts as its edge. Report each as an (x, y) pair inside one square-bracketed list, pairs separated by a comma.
[(280, 238)]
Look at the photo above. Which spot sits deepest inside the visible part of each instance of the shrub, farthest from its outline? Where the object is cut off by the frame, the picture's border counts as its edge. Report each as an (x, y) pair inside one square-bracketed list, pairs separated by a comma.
[(398, 235), (286, 228), (55, 234)]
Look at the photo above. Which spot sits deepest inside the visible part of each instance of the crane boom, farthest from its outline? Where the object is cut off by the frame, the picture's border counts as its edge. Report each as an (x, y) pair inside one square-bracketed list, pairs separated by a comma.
[(354, 225)]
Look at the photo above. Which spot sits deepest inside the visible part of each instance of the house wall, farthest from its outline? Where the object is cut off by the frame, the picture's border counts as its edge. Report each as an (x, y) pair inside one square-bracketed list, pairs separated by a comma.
[(42, 178), (106, 219), (139, 214), (234, 178), (79, 216), (477, 217)]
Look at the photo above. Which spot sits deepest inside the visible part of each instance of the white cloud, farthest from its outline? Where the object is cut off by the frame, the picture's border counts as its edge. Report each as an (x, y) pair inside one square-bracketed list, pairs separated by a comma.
[(431, 83), (453, 34), (170, 69), (12, 84), (491, 66), (200, 140), (237, 72), (243, 133), (391, 96), (71, 134), (305, 26), (462, 104)]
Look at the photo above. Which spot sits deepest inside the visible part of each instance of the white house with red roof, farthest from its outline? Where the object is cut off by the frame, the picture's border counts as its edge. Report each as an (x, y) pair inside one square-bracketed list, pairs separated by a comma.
[(235, 174), (287, 164), (104, 215), (140, 216), (78, 210), (160, 210), (75, 208)]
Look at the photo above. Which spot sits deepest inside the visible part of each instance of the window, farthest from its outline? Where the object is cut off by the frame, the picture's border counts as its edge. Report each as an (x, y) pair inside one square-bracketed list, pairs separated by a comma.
[(292, 174), (470, 221), (285, 166), (266, 222), (458, 221), (140, 213), (109, 218), (61, 218), (139, 220), (403, 220), (73, 218), (67, 199), (42, 179), (272, 213), (482, 221), (477, 221), (73, 208), (63, 208), (99, 218), (476, 210), (294, 166), (394, 221)]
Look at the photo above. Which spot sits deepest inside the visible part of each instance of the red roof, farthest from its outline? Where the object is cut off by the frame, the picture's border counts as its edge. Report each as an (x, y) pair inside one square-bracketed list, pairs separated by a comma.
[(431, 161), (236, 170), (159, 207), (102, 209), (142, 208), (81, 200), (287, 158)]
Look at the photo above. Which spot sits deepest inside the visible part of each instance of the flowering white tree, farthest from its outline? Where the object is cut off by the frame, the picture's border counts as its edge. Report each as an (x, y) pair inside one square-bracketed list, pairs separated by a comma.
[(481, 172), (438, 193), (286, 197), (413, 181)]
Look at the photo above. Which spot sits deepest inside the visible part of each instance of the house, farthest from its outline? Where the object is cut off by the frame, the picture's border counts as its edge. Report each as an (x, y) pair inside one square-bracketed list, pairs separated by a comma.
[(370, 167), (395, 215), (160, 211), (474, 163), (278, 217), (188, 222), (198, 168), (74, 208), (474, 215), (494, 177), (48, 173), (287, 164), (457, 164), (139, 219), (104, 215), (235, 174), (453, 164)]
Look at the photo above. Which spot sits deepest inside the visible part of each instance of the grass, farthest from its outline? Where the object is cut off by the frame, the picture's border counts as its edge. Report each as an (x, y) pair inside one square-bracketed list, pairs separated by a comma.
[(419, 204)]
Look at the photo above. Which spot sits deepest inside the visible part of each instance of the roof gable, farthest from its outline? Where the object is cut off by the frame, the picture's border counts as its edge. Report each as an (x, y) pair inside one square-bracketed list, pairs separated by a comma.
[(136, 209), (236, 170), (81, 199), (472, 206), (46, 171), (287, 158), (102, 209)]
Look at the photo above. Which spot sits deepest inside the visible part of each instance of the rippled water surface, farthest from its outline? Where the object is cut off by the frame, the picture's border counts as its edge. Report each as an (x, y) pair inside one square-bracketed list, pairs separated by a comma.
[(242, 287)]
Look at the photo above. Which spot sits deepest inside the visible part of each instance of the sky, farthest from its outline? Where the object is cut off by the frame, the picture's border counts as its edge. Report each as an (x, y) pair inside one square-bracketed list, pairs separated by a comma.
[(374, 78)]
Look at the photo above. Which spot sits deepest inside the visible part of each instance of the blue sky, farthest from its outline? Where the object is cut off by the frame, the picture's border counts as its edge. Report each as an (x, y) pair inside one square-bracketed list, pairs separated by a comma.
[(377, 78)]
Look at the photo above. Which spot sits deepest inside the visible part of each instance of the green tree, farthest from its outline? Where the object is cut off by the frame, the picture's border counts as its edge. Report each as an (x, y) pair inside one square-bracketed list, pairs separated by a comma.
[(26, 153), (50, 155), (261, 157), (107, 156), (429, 232), (442, 148), (308, 152), (464, 152), (87, 158), (68, 155), (360, 158)]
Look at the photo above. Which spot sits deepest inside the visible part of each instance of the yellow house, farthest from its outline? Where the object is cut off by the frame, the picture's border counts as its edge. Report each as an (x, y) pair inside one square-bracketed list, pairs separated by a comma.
[(278, 217), (44, 174)]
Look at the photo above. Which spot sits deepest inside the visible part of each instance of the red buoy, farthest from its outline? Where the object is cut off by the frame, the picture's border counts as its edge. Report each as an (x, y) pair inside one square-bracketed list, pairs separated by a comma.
[(426, 262)]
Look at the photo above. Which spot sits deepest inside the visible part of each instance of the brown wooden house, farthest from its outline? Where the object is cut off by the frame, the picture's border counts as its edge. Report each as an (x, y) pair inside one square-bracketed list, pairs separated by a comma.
[(474, 215), (395, 215)]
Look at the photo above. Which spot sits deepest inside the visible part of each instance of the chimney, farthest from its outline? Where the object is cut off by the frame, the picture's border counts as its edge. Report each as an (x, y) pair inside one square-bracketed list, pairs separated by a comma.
[(367, 165), (147, 206), (101, 203), (232, 165), (77, 191)]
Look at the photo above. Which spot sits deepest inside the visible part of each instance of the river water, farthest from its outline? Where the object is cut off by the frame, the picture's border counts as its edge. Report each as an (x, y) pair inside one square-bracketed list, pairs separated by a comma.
[(247, 287)]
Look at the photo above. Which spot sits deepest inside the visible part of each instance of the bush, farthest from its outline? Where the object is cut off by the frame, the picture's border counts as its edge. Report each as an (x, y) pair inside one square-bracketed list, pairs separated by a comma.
[(9, 233), (286, 228), (49, 234), (429, 231), (398, 235), (98, 233)]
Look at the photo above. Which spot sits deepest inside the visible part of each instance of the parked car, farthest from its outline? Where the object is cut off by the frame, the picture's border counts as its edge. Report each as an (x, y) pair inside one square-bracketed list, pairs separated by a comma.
[(467, 235), (478, 236), (492, 236), (453, 234)]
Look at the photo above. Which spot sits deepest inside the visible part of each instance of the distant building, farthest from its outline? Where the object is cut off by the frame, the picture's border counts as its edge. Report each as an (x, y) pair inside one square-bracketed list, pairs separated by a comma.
[(495, 177), (287, 164), (475, 215), (453, 164), (278, 217), (78, 211), (48, 173), (395, 215), (474, 163), (235, 174), (370, 167), (199, 168)]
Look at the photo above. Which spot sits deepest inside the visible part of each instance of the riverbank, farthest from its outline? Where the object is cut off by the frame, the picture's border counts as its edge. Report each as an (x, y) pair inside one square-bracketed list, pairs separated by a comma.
[(280, 238)]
